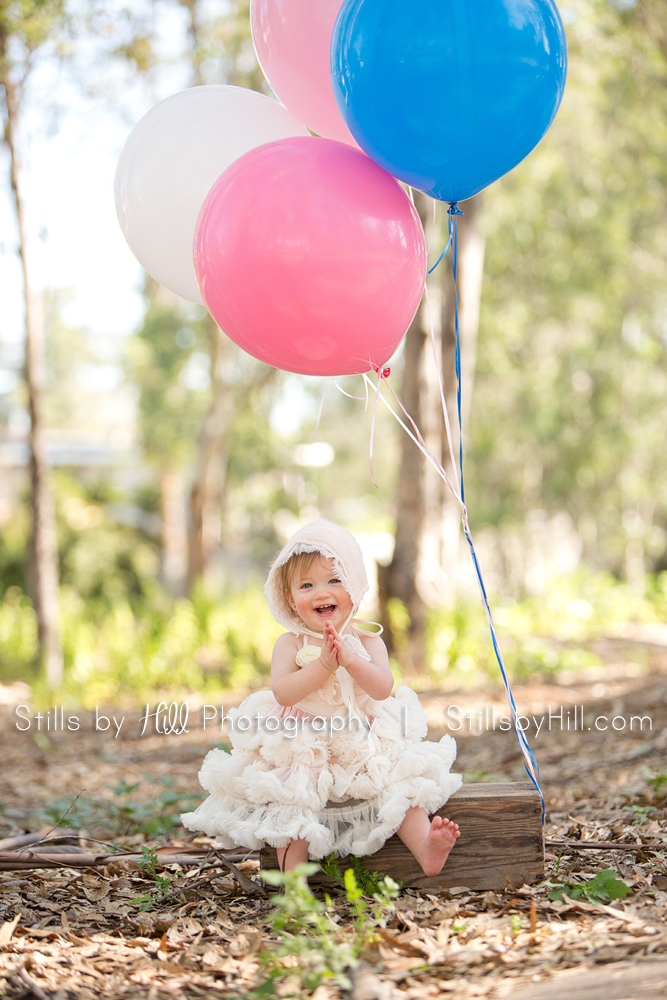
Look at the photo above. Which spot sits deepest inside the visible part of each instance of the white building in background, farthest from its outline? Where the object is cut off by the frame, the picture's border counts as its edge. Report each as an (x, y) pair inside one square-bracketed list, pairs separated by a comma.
[(88, 458)]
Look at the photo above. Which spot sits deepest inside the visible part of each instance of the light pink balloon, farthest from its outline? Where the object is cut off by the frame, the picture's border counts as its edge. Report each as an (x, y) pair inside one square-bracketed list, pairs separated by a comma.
[(310, 257), (292, 40)]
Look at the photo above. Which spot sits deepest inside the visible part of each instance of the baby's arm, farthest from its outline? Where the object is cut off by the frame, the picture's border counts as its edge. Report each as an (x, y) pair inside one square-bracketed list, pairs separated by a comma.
[(374, 675), (291, 683)]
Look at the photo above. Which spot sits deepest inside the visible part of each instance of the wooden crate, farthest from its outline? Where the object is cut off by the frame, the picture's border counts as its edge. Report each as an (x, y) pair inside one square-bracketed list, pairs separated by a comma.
[(501, 843)]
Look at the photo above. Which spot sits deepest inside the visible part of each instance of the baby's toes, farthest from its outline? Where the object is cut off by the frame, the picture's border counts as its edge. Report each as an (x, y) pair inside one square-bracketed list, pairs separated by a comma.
[(451, 827)]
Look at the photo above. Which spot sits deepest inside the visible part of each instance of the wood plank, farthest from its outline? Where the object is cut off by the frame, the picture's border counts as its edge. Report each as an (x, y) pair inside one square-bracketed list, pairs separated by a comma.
[(642, 980), (501, 843)]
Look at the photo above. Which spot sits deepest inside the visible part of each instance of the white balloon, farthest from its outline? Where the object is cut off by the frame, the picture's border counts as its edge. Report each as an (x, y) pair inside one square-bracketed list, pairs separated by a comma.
[(171, 160)]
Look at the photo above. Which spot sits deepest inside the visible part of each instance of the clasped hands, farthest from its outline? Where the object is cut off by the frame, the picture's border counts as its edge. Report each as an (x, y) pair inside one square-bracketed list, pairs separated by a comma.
[(334, 652)]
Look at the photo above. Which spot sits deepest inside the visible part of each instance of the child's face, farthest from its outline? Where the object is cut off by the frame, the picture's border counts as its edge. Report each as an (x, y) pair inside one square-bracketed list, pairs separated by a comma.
[(318, 596)]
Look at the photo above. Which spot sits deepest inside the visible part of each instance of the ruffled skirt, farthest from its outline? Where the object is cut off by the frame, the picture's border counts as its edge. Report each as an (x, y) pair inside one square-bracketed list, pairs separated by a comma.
[(343, 783)]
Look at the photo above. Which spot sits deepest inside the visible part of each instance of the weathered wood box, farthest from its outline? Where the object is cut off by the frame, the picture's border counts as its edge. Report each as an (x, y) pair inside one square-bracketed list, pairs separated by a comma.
[(501, 843)]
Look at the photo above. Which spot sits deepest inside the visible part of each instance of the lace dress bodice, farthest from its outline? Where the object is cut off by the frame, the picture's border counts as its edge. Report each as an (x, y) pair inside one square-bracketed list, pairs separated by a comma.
[(339, 692)]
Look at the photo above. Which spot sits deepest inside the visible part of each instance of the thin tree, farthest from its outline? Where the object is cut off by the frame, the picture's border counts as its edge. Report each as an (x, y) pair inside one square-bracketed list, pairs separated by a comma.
[(228, 36), (24, 28), (426, 538)]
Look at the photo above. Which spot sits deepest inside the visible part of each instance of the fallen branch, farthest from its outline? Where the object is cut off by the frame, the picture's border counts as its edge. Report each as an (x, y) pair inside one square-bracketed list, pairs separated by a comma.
[(605, 845), (15, 861), (25, 838), (36, 990), (30, 858)]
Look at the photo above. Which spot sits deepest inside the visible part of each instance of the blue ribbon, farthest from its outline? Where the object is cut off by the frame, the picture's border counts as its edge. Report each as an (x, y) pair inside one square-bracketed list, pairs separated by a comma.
[(452, 210), (526, 753)]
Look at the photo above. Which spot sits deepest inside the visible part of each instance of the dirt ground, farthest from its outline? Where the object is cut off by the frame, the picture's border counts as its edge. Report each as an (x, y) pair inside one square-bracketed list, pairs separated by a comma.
[(80, 933)]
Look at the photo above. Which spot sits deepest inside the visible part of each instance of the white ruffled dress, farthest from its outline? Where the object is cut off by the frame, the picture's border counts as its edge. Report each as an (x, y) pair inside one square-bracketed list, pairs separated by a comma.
[(339, 769)]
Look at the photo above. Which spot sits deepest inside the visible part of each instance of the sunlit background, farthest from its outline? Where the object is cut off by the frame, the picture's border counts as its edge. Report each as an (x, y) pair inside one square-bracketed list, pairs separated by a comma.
[(180, 465)]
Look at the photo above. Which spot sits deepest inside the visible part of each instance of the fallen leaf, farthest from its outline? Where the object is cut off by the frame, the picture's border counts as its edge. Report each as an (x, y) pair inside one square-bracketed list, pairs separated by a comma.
[(212, 959), (7, 930)]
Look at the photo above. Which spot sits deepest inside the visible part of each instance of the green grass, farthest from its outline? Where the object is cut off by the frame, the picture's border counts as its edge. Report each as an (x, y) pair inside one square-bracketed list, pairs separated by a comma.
[(124, 813), (127, 652)]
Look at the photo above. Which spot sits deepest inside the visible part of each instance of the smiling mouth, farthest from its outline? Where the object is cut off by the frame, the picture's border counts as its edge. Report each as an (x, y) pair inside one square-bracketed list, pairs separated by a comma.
[(326, 609)]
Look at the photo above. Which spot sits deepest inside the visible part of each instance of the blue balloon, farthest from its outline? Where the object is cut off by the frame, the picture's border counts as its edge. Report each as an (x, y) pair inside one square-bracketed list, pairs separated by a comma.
[(448, 95)]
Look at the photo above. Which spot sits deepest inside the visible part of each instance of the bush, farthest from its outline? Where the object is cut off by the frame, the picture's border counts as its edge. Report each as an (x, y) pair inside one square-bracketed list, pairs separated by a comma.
[(142, 644), (540, 635)]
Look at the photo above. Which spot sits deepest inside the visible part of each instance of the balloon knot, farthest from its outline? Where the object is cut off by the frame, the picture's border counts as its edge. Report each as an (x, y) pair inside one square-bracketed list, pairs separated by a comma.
[(384, 372), (454, 209)]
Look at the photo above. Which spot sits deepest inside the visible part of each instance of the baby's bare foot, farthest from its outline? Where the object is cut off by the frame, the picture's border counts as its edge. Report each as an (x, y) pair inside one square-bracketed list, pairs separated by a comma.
[(435, 850)]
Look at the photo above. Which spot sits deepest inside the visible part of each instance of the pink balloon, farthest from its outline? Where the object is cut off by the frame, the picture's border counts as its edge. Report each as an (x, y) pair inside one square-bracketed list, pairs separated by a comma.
[(310, 257), (292, 40)]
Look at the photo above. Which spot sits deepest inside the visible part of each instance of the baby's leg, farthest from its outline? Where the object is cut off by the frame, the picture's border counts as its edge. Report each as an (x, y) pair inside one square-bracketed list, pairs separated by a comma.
[(296, 853), (430, 842)]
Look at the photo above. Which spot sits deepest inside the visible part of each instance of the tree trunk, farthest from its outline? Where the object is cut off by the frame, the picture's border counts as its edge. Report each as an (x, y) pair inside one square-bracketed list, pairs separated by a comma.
[(422, 571), (207, 496), (399, 578), (174, 532), (43, 560), (208, 488), (208, 485), (653, 17)]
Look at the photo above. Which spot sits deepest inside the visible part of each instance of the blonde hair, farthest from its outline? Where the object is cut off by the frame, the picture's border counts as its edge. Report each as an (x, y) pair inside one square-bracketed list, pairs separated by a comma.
[(295, 566)]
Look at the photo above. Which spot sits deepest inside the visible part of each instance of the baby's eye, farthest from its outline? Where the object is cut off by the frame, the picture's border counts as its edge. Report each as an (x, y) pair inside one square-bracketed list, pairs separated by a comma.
[(304, 585), (334, 580)]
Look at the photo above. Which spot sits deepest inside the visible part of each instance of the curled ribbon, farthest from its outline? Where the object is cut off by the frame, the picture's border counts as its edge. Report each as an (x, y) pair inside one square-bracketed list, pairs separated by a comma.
[(451, 211), (382, 373)]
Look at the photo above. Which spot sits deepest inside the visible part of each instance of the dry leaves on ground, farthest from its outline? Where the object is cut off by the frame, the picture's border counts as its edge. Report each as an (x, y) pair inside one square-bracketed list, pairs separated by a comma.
[(68, 933)]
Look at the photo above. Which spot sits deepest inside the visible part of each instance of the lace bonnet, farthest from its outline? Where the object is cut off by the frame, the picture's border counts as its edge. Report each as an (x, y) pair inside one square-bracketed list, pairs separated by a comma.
[(334, 543)]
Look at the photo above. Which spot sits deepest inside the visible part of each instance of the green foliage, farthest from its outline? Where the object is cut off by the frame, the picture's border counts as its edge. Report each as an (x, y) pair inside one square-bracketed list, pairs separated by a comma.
[(154, 817), (658, 783), (141, 645), (124, 637), (603, 888), (324, 951), (101, 561), (540, 634), (13, 548), (74, 357), (148, 858), (640, 813), (30, 22), (99, 558), (369, 882), (127, 655), (169, 361), (124, 815), (80, 812), (331, 867), (163, 883), (570, 399), (18, 636)]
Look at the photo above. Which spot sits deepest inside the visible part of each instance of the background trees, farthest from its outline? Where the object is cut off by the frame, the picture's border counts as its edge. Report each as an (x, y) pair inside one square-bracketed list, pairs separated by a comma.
[(568, 410), (564, 395), (24, 29)]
